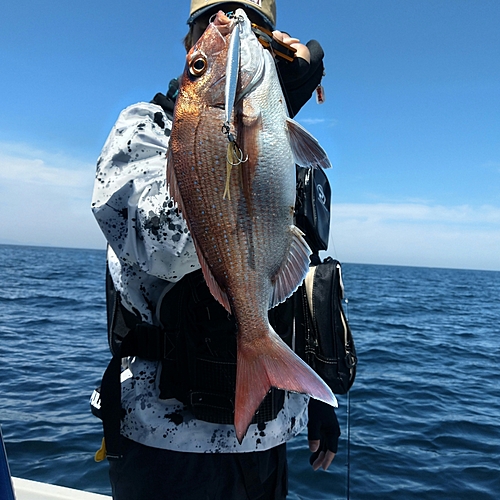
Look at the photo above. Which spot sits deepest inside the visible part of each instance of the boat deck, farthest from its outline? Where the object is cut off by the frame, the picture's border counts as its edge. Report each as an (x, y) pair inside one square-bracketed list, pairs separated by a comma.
[(33, 490)]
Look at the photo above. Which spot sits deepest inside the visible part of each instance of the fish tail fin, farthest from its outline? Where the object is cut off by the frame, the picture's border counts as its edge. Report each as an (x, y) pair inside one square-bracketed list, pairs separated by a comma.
[(272, 364)]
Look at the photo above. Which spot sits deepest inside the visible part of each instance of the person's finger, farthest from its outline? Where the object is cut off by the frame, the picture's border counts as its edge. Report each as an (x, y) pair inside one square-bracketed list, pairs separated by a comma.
[(285, 37), (314, 445), (302, 50), (327, 459), (319, 461)]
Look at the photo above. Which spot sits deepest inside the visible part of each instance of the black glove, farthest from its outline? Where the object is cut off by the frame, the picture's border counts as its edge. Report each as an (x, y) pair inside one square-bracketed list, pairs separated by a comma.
[(167, 101), (323, 426), (300, 78)]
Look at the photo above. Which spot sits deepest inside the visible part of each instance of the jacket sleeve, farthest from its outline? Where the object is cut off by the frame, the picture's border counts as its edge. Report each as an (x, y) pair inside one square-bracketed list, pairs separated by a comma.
[(131, 201)]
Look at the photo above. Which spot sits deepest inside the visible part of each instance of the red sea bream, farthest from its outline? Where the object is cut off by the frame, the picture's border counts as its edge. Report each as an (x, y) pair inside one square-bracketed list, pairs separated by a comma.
[(233, 177)]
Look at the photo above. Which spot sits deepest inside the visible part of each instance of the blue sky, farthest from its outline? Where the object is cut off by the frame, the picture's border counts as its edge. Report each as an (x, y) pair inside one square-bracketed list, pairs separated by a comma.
[(411, 121)]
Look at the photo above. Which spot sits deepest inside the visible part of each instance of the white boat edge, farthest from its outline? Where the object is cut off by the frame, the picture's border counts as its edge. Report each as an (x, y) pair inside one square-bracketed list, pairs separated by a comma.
[(26, 489)]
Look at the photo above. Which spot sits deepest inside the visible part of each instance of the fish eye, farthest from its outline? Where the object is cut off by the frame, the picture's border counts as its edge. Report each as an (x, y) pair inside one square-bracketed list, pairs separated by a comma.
[(198, 65)]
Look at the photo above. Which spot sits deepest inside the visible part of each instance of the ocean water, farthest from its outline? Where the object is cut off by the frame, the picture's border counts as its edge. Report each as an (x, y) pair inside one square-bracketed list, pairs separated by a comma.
[(424, 412)]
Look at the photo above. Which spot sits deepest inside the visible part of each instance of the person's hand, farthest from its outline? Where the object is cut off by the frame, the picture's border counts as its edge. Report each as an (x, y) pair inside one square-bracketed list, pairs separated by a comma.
[(323, 432), (300, 77), (302, 50)]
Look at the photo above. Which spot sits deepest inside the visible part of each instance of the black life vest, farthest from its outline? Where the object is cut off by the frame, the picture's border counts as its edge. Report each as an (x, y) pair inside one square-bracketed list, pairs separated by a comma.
[(196, 345)]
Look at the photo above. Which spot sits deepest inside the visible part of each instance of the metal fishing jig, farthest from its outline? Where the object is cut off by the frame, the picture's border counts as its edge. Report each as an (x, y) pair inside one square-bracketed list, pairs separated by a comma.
[(234, 155)]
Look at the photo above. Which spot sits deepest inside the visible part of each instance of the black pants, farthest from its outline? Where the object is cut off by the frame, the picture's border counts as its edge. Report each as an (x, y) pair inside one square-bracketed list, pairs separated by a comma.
[(146, 473)]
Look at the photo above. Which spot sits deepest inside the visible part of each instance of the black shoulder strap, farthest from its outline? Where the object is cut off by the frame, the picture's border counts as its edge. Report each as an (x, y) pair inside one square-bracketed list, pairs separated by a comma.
[(111, 407), (127, 335)]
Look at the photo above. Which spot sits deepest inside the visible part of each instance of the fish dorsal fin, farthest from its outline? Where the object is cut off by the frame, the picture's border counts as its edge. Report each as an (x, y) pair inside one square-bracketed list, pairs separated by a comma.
[(213, 286), (306, 149), (292, 273)]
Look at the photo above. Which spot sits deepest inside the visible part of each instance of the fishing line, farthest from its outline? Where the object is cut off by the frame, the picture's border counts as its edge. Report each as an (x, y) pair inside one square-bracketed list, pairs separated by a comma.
[(348, 464), (348, 424)]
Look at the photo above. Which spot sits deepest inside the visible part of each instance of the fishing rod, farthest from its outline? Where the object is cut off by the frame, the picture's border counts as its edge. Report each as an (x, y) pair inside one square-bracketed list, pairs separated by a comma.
[(6, 489)]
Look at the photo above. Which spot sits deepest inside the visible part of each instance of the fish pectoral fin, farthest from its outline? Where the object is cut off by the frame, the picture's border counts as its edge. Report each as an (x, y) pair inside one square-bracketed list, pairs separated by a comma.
[(293, 271), (272, 364), (306, 149)]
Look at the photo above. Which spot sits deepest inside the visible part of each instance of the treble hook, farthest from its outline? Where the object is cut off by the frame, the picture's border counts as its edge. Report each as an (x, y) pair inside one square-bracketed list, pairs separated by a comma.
[(234, 158)]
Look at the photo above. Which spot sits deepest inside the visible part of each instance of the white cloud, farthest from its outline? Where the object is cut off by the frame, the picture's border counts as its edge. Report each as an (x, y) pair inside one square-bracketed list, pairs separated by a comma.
[(45, 198), (420, 212), (494, 166), (318, 121), (37, 172), (417, 234)]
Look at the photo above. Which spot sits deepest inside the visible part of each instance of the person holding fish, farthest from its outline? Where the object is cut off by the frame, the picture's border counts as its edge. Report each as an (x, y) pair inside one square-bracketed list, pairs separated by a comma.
[(195, 194)]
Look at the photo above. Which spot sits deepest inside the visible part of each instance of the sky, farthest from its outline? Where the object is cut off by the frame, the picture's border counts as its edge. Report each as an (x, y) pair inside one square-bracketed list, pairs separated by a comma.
[(411, 121)]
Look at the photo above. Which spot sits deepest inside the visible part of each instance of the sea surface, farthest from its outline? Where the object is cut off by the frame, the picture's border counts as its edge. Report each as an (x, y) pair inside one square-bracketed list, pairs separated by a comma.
[(421, 421)]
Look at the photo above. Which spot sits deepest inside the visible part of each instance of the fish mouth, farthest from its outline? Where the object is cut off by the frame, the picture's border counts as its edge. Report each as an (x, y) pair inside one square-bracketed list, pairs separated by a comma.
[(224, 24)]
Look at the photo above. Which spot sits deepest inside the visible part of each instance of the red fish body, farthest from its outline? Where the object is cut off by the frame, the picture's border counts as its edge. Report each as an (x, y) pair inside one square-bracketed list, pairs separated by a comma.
[(241, 216)]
